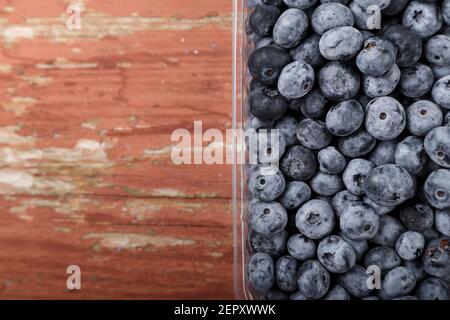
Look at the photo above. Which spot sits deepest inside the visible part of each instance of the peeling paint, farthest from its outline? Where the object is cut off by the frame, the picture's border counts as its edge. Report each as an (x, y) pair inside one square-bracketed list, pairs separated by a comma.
[(5, 68), (9, 136), (128, 241), (37, 80), (19, 105)]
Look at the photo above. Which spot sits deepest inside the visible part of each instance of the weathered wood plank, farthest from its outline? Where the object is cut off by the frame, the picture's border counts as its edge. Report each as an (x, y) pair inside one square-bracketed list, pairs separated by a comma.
[(85, 171)]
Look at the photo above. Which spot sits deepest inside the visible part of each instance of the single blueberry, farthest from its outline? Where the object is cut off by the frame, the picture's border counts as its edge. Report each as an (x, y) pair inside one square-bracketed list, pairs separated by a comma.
[(355, 174), (398, 282), (298, 163), (295, 194), (339, 81), (267, 104), (355, 282), (437, 189), (315, 219), (389, 185), (385, 118), (300, 247), (267, 218), (345, 118), (329, 16), (290, 28), (336, 255), (266, 187), (326, 184), (384, 257), (423, 17), (274, 245), (446, 11), (359, 221), (263, 19), (437, 50), (331, 161), (416, 81), (437, 146), (388, 232), (436, 257), (410, 245), (313, 279), (260, 271), (382, 85), (443, 221), (432, 289), (377, 57), (441, 92), (286, 273), (423, 116), (410, 154), (313, 134), (357, 144), (308, 51), (296, 80), (341, 43)]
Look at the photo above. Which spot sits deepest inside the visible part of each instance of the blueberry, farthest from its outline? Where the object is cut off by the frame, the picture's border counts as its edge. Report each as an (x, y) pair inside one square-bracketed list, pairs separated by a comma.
[(298, 296), (313, 279), (300, 4), (341, 200), (382, 85), (398, 282), (441, 92), (407, 42), (355, 174), (266, 64), (326, 184), (440, 71), (384, 153), (260, 271), (290, 28), (263, 19), (331, 161), (287, 126), (437, 50), (298, 163), (359, 221), (437, 146), (312, 105), (329, 16), (423, 116), (410, 154), (267, 104), (345, 118), (446, 11), (424, 18), (296, 80), (308, 51), (315, 219), (336, 255), (436, 257), (286, 273), (410, 245), (313, 134), (360, 247), (388, 232), (395, 7), (418, 217), (379, 210), (377, 57), (416, 268), (384, 257), (361, 15), (443, 221), (337, 293), (339, 81), (389, 185), (357, 144), (382, 4), (267, 218), (385, 118), (256, 123), (416, 81), (300, 247), (432, 289), (437, 189), (265, 146), (341, 43), (295, 194), (275, 294), (355, 281), (266, 187), (274, 245)]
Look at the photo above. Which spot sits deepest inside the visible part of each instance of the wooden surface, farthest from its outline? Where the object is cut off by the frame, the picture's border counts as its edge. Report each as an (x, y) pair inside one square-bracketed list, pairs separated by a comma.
[(85, 171)]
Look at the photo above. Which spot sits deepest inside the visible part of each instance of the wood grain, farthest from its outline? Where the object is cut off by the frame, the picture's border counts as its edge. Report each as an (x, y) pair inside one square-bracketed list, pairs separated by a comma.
[(86, 177)]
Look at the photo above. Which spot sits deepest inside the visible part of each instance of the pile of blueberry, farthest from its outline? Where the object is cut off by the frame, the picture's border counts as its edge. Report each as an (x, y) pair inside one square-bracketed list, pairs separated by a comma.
[(364, 151)]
